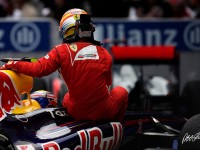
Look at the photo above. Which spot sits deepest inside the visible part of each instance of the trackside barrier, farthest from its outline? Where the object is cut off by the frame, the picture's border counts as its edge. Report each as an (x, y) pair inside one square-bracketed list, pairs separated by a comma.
[(182, 34), (40, 34), (28, 35)]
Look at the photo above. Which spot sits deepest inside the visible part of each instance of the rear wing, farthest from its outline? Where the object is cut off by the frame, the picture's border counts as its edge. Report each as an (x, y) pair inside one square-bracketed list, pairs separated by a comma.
[(144, 54)]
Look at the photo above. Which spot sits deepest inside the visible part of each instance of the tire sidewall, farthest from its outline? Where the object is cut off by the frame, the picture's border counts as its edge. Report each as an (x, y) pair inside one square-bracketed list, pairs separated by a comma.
[(5, 143), (189, 138)]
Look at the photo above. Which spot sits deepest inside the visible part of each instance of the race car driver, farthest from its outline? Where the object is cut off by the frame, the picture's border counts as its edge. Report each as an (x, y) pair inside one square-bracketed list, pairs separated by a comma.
[(85, 67)]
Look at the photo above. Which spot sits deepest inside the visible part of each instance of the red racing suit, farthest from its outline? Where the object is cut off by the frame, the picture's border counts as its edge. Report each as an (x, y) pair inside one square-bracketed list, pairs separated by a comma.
[(86, 70)]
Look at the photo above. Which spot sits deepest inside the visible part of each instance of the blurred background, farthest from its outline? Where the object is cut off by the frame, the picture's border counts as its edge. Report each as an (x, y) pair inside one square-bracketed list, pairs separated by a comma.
[(30, 28)]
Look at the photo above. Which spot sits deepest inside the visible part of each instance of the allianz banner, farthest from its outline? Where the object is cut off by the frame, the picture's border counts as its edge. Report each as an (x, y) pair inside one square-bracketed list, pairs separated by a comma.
[(24, 35), (183, 34), (41, 34)]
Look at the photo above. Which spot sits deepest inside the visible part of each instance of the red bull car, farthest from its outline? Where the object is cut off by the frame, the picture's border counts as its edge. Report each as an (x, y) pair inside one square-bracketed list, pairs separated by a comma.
[(25, 125)]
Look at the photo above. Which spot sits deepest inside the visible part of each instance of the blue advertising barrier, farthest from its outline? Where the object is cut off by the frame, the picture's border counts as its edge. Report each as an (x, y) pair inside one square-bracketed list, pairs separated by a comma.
[(183, 34), (39, 34), (24, 35)]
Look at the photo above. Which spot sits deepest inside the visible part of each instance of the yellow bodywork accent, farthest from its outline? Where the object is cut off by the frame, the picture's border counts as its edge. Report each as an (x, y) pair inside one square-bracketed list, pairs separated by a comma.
[(27, 106), (21, 82)]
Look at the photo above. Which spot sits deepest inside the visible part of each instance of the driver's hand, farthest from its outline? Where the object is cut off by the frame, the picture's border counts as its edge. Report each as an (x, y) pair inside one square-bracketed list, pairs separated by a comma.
[(9, 65)]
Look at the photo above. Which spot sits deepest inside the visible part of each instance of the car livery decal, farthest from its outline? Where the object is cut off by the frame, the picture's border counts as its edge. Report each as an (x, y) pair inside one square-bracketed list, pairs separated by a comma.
[(8, 95), (50, 146), (92, 139), (25, 147)]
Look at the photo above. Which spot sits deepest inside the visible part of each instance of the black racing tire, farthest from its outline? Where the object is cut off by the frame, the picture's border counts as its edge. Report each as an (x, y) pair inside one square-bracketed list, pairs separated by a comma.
[(5, 143), (189, 99), (189, 138)]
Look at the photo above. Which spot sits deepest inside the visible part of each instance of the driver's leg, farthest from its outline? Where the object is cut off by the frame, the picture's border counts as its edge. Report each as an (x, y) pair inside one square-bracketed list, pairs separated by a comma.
[(118, 102)]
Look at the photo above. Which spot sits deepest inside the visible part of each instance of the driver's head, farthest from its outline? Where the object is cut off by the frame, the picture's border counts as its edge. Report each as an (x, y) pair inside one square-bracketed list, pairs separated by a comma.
[(76, 24), (46, 99)]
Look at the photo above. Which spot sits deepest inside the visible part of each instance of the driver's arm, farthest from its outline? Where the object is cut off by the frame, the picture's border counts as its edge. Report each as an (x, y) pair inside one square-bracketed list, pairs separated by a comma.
[(44, 66)]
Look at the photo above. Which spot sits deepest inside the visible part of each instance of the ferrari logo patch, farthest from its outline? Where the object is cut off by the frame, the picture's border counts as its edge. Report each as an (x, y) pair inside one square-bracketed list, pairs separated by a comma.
[(73, 47), (76, 17)]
